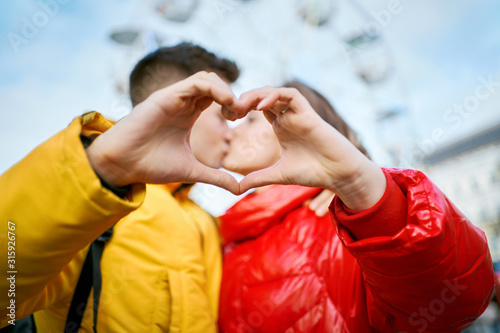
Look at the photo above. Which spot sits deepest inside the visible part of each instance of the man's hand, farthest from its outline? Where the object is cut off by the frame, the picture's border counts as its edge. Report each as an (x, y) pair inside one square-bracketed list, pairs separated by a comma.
[(313, 153), (151, 144)]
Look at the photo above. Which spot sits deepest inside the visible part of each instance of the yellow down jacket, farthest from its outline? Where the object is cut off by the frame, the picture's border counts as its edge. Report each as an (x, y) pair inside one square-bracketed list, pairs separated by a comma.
[(161, 269)]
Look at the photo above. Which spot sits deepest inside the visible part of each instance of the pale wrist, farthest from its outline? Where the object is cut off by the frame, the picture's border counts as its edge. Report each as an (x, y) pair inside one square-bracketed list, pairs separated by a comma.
[(105, 167), (363, 188)]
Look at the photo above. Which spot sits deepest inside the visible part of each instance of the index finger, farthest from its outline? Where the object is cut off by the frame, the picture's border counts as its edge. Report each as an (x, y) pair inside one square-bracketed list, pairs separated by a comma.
[(207, 85), (275, 99), (251, 99), (248, 101), (201, 84)]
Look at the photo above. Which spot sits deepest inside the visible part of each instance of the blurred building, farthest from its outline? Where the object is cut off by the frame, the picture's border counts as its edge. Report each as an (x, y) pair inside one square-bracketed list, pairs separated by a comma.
[(468, 172)]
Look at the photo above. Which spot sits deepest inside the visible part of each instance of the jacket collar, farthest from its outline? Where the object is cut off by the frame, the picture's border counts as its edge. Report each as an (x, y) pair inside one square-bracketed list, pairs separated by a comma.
[(179, 190), (259, 211)]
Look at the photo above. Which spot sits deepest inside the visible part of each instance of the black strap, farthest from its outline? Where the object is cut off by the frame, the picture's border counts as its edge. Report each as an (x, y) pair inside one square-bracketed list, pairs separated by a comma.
[(90, 276), (80, 297), (24, 325), (97, 250)]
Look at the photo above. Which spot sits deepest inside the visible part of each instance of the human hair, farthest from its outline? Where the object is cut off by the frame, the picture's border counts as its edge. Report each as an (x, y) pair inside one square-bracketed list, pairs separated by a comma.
[(327, 112), (168, 65)]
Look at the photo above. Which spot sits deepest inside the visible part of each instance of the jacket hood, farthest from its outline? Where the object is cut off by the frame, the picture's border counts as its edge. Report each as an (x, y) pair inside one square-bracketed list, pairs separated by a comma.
[(258, 212)]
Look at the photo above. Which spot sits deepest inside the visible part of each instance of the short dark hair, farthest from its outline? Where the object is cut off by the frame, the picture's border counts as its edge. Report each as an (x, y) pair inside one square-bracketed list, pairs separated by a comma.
[(168, 65)]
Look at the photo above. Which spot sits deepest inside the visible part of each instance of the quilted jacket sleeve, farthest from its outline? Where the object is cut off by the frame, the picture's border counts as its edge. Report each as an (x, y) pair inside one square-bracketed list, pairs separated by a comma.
[(426, 267), (53, 205)]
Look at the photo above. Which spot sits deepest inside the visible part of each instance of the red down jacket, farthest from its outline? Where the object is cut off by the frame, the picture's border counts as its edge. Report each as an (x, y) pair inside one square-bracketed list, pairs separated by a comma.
[(411, 263)]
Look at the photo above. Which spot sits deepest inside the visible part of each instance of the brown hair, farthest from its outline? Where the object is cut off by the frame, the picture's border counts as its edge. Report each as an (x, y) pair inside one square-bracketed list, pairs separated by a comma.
[(167, 65), (326, 111)]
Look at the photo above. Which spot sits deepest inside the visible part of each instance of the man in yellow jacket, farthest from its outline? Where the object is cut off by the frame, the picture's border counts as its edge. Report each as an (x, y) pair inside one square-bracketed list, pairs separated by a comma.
[(161, 268)]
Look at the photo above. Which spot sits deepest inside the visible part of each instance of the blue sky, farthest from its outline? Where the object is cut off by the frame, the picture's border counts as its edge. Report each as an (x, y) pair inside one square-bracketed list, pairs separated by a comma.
[(439, 49)]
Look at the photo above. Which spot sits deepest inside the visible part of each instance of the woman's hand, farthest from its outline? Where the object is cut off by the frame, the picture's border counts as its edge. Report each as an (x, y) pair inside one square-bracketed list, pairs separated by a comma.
[(313, 153), (151, 145), (320, 203)]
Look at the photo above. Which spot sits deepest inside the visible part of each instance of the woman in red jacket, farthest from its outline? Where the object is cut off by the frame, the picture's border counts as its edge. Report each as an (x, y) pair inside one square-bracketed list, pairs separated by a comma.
[(394, 255)]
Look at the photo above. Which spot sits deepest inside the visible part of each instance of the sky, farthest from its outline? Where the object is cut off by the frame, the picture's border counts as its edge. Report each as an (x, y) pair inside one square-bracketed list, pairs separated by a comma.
[(58, 61)]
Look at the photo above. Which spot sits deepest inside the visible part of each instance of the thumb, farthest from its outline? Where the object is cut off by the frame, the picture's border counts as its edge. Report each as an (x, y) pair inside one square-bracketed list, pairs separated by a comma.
[(263, 177), (204, 174)]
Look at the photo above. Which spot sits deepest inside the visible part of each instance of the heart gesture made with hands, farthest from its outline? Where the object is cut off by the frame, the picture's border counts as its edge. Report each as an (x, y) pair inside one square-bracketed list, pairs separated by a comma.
[(151, 144)]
